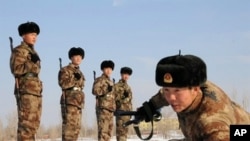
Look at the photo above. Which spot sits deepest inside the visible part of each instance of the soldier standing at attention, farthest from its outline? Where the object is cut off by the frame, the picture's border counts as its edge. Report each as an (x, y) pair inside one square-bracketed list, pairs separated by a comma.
[(123, 95), (71, 80), (25, 66), (105, 101)]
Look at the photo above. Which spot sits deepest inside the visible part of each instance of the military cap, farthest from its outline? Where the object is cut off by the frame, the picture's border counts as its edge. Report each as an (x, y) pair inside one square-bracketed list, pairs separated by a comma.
[(126, 70), (76, 51), (28, 27), (107, 64), (180, 71)]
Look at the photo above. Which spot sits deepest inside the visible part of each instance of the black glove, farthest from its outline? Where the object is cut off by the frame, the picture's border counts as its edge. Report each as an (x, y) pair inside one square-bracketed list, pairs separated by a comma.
[(34, 57), (147, 111), (125, 94), (110, 88), (77, 76)]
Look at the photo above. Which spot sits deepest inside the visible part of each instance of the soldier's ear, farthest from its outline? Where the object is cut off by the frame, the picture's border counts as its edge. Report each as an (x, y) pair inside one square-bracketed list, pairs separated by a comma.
[(196, 89)]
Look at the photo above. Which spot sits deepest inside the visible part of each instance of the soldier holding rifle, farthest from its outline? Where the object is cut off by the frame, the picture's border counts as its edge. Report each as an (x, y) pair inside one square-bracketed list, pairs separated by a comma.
[(25, 67), (71, 80), (105, 101)]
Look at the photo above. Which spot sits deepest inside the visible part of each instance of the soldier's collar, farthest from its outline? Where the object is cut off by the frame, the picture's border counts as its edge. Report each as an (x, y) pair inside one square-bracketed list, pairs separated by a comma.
[(123, 81), (105, 76), (194, 105), (74, 66), (27, 45)]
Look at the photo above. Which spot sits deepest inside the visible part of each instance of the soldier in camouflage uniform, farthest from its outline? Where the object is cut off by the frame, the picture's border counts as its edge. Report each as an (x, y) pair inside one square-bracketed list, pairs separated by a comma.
[(204, 111), (123, 95), (25, 66), (105, 101), (71, 80)]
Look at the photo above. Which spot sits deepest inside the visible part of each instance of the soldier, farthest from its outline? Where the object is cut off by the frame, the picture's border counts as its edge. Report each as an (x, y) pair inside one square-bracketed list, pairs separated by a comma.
[(105, 101), (123, 95), (71, 80), (25, 66), (204, 111)]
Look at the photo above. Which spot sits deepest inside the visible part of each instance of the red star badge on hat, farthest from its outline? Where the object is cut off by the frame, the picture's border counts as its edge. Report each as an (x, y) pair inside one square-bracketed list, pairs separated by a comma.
[(168, 78)]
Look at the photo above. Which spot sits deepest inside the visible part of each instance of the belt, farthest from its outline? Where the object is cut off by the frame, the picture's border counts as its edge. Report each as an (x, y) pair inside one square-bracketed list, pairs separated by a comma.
[(30, 74), (105, 95), (75, 89)]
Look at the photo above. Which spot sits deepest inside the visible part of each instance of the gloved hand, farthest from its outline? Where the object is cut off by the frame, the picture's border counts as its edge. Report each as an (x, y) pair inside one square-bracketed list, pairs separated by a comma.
[(34, 57), (125, 94), (110, 88), (77, 76), (147, 111)]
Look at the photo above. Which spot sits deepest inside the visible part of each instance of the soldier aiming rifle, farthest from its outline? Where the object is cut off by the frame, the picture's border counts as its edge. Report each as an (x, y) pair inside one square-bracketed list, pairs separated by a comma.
[(204, 110)]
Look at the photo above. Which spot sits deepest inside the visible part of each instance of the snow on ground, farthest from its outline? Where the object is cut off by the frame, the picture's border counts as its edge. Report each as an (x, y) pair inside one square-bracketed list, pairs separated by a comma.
[(134, 138)]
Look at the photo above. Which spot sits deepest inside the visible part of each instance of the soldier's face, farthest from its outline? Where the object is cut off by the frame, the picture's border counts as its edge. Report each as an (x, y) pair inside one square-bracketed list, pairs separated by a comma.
[(180, 98), (107, 71), (76, 60), (30, 38), (125, 76)]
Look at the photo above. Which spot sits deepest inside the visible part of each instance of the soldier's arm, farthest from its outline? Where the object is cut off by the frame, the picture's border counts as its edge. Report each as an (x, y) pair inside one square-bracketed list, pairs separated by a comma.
[(130, 94), (20, 63), (131, 97), (66, 79), (99, 87), (158, 100), (116, 92)]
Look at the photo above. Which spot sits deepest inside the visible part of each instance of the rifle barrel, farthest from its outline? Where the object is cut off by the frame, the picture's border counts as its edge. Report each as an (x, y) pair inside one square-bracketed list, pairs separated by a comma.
[(125, 113)]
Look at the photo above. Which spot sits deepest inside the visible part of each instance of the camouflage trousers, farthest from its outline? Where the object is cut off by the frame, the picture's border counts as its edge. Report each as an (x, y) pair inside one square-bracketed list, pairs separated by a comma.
[(29, 115), (104, 123), (71, 122), (121, 132)]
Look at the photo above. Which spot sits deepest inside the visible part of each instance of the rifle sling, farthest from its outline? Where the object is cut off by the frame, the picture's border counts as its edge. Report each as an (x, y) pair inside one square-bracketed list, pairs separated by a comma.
[(138, 132), (150, 115)]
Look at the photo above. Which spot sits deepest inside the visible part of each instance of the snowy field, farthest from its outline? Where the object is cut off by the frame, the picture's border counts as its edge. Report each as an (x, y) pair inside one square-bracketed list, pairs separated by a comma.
[(154, 138)]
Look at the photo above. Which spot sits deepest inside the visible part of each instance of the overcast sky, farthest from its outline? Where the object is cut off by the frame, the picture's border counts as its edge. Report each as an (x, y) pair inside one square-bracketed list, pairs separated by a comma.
[(134, 33)]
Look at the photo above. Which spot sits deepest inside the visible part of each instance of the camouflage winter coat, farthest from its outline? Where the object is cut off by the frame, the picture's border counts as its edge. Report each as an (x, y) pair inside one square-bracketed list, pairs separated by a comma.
[(71, 86), (104, 98), (123, 96), (26, 71), (209, 117)]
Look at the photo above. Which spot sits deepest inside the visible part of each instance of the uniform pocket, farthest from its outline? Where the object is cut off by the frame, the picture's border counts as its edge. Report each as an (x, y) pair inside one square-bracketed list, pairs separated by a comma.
[(75, 98), (30, 85)]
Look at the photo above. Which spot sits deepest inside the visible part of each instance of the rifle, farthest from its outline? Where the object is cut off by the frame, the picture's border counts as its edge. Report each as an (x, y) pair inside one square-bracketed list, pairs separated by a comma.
[(64, 98), (16, 90), (136, 120), (94, 73), (60, 61), (137, 117)]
